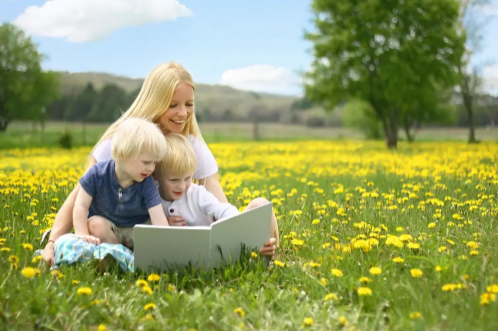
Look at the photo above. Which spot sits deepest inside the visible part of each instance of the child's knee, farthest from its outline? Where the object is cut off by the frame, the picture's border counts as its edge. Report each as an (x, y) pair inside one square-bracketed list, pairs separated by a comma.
[(99, 227)]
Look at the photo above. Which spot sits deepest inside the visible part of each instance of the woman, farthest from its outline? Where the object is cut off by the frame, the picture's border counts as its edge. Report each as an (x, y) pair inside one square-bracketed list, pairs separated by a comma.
[(167, 99)]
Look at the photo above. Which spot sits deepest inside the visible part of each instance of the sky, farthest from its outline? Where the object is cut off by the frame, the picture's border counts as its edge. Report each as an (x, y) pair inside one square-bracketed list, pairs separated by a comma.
[(251, 45)]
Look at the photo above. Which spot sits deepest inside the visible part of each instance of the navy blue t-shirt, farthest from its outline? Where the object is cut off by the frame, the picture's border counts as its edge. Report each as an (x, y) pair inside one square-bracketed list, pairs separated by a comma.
[(122, 206)]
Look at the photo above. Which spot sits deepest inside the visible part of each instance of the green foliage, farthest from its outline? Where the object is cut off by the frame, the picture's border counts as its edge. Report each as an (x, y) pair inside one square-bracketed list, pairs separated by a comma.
[(388, 53), (66, 140), (358, 114), (24, 88)]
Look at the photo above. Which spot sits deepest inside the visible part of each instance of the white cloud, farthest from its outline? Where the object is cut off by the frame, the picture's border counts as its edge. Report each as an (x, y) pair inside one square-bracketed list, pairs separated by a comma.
[(263, 78), (88, 20)]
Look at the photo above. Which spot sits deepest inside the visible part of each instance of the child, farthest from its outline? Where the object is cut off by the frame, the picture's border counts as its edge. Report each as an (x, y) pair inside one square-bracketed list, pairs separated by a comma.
[(182, 197), (121, 191)]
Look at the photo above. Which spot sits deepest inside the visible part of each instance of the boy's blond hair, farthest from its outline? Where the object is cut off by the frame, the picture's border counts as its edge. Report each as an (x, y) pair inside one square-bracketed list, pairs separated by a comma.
[(180, 157), (135, 135)]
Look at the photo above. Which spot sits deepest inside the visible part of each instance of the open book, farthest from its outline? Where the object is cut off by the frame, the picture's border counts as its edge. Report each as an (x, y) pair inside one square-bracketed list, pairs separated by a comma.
[(158, 247)]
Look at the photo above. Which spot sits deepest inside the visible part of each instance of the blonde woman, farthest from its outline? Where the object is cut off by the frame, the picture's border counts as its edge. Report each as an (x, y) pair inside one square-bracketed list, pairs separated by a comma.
[(167, 99)]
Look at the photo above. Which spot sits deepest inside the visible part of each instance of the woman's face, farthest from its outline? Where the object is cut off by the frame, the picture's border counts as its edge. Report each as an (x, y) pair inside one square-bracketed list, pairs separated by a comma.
[(173, 120)]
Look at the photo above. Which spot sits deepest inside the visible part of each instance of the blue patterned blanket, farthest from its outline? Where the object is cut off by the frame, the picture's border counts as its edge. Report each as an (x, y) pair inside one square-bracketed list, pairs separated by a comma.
[(69, 249)]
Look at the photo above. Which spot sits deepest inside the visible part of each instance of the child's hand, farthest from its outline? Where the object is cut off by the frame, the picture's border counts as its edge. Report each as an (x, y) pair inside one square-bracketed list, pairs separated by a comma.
[(176, 221), (269, 248), (90, 239)]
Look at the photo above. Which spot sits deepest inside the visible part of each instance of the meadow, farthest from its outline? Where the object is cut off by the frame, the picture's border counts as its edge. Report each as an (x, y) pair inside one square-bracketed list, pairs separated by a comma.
[(371, 239)]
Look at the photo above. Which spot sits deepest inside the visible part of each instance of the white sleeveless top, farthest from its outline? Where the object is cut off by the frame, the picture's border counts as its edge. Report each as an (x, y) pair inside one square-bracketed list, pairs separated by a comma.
[(206, 163)]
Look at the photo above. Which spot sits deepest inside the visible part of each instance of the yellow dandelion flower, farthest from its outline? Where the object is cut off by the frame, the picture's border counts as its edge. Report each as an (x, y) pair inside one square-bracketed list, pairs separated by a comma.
[(336, 272), (148, 317), (316, 221), (415, 315), (416, 273), (308, 321), (323, 281), (27, 247), (413, 246), (431, 225), (449, 287), (487, 298), (147, 289), (141, 283), (5, 249), (102, 327), (493, 288), (28, 272), (365, 280), (240, 312), (154, 278), (84, 291), (150, 306), (343, 320), (438, 268), (474, 252), (36, 259), (279, 263), (171, 287), (364, 291), (398, 260), (375, 271), (331, 296), (254, 255)]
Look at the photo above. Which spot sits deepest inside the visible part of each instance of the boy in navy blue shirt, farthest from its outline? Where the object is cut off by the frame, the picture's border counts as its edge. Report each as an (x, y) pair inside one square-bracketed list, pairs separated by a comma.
[(121, 190)]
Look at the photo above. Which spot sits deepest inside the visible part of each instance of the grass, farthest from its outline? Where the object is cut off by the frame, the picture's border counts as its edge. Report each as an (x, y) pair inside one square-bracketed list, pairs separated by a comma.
[(24, 135), (425, 215)]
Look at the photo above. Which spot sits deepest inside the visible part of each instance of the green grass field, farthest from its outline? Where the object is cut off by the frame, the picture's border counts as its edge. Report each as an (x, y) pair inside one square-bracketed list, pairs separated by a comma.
[(24, 135), (371, 239)]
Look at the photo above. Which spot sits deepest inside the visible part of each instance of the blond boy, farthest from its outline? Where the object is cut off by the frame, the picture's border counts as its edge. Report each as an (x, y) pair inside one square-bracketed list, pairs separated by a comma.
[(192, 202), (121, 191)]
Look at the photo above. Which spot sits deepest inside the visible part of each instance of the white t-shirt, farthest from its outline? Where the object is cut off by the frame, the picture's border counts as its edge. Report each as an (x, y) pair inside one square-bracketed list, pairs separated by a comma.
[(199, 207), (206, 163)]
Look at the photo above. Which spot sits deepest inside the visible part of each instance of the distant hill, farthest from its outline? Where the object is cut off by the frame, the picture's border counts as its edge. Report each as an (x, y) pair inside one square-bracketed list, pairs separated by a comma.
[(221, 102)]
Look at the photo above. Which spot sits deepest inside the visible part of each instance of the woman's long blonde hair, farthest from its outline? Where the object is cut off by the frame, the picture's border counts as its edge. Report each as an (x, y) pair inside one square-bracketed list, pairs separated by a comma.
[(155, 97)]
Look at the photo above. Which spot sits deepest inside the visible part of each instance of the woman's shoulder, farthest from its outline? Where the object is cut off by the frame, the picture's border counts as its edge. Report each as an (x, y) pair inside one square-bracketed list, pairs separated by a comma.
[(103, 151)]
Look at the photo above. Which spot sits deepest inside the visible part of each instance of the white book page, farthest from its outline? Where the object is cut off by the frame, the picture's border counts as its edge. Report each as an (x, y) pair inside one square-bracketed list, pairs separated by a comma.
[(171, 247), (252, 228)]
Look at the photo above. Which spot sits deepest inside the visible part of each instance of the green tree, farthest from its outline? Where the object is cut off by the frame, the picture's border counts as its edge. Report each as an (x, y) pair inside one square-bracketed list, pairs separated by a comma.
[(381, 51), (25, 89)]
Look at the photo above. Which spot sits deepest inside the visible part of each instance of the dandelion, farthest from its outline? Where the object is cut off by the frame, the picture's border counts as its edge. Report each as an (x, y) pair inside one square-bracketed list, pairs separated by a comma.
[(147, 289), (254, 255), (431, 225), (493, 288), (84, 291), (331, 296), (75, 282), (154, 278), (416, 273), (315, 221), (29, 272), (336, 272), (27, 247), (150, 306), (323, 281), (438, 268), (375, 271), (102, 327), (487, 298), (308, 321), (364, 291), (415, 315), (240, 312), (343, 320), (141, 283), (36, 259), (449, 287), (398, 260), (365, 280), (279, 263)]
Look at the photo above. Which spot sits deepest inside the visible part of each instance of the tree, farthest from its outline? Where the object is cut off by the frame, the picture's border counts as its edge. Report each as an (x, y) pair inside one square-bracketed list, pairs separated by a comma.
[(381, 51), (470, 81), (24, 88), (358, 114)]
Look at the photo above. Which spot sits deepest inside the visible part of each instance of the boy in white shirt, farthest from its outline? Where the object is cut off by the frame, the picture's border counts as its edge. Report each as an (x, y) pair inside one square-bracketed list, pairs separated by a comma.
[(180, 196)]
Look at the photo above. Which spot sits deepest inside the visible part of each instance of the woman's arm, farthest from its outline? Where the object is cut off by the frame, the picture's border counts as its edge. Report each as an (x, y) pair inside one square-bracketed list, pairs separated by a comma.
[(212, 184), (63, 222)]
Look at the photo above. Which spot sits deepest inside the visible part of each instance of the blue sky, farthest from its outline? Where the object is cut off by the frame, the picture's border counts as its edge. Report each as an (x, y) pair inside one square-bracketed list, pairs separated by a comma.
[(256, 45)]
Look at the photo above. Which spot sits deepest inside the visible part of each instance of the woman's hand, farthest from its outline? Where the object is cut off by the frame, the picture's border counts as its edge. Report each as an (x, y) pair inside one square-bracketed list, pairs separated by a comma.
[(48, 253), (176, 221), (269, 248), (89, 238)]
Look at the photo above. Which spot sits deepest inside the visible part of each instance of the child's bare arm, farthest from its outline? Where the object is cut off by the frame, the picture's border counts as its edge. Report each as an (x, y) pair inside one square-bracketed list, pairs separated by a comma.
[(157, 216), (80, 217)]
